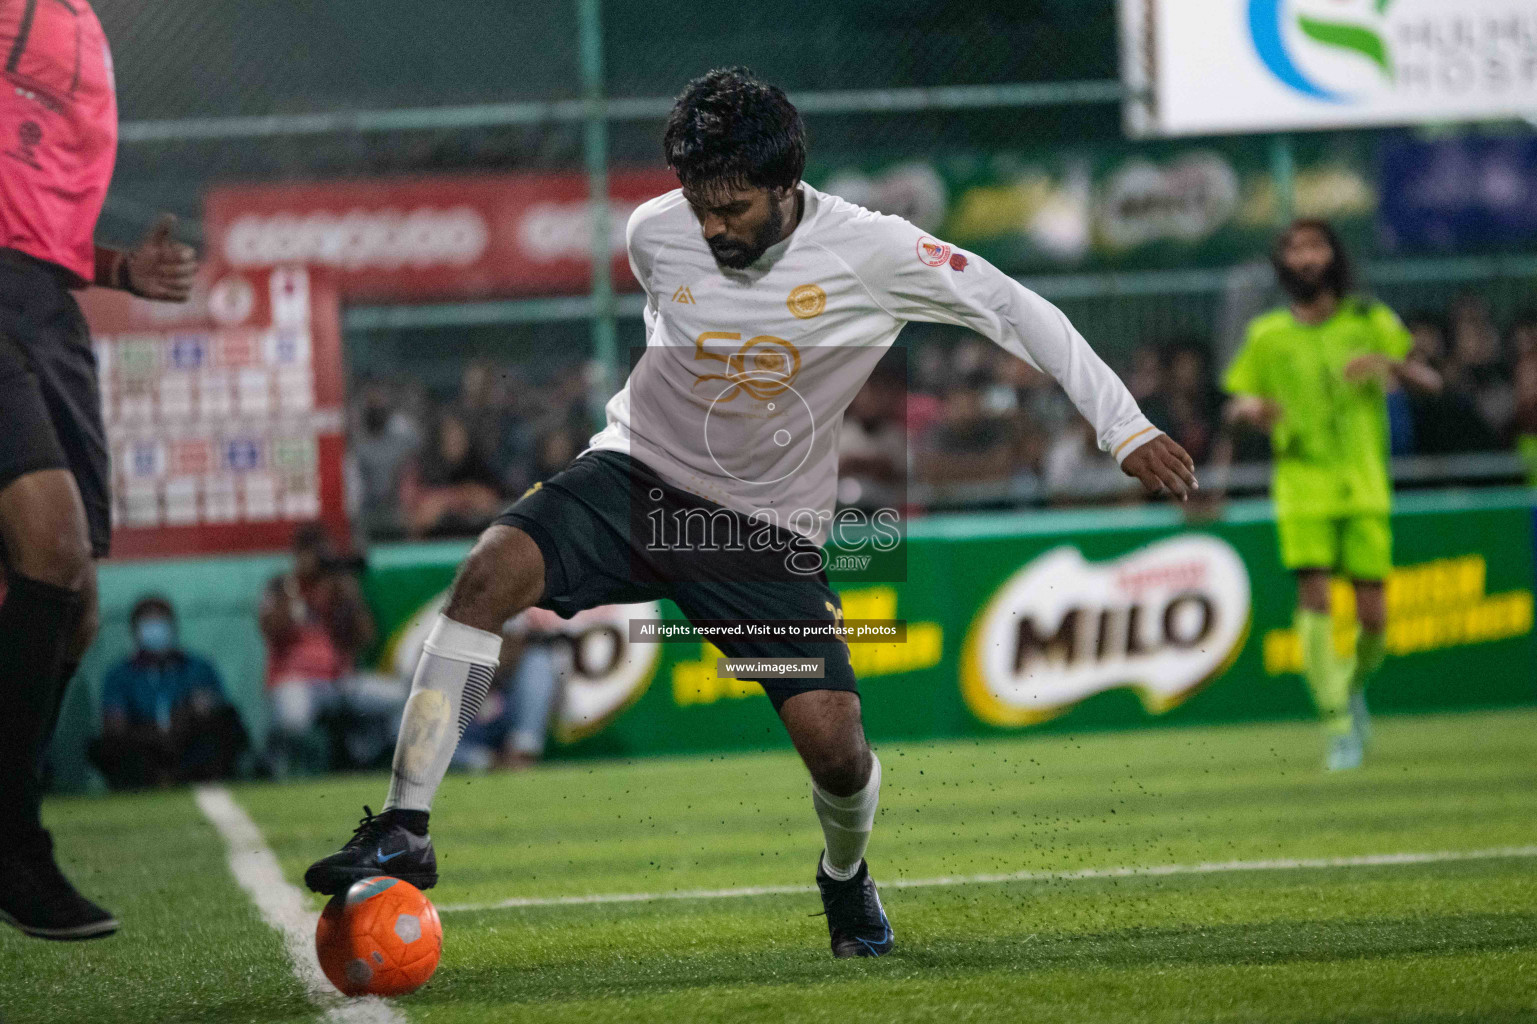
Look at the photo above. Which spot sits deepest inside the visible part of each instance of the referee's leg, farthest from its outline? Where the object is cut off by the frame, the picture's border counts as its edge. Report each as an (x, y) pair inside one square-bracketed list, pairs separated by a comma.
[(46, 621)]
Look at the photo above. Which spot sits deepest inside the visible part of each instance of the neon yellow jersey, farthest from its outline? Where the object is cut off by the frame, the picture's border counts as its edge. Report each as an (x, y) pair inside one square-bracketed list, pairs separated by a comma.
[(1331, 442)]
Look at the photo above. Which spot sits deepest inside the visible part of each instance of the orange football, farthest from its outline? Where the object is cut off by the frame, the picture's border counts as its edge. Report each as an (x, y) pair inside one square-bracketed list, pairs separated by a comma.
[(380, 938)]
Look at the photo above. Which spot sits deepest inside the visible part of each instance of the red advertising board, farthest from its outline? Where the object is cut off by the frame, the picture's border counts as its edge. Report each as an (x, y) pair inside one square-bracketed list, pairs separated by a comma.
[(438, 237), (224, 416)]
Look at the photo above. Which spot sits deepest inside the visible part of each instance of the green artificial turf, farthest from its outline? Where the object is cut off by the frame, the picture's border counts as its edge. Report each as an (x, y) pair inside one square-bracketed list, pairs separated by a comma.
[(192, 947), (1434, 942)]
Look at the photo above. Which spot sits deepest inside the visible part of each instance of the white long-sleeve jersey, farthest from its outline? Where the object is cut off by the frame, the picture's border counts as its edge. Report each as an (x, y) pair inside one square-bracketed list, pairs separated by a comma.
[(740, 393)]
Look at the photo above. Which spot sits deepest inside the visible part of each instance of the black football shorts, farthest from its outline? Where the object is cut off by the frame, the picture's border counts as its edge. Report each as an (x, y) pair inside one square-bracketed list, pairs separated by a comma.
[(602, 526), (50, 400)]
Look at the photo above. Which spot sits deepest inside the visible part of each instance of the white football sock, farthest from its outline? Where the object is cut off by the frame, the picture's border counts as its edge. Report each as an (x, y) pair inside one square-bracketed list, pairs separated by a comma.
[(846, 823), (452, 678)]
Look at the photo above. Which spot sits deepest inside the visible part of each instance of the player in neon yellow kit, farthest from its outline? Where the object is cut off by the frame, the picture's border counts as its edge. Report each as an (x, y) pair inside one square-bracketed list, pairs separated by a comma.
[(1314, 375)]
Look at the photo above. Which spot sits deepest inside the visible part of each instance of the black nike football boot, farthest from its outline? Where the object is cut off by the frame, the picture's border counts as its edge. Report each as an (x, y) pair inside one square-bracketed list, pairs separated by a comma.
[(379, 846), (856, 921), (36, 898)]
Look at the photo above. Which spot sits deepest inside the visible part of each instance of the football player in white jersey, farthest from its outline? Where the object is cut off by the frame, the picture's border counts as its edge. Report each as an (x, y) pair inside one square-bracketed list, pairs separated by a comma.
[(768, 303)]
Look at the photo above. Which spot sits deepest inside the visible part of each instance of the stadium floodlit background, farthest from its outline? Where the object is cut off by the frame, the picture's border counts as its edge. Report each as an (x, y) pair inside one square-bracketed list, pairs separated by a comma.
[(1145, 841)]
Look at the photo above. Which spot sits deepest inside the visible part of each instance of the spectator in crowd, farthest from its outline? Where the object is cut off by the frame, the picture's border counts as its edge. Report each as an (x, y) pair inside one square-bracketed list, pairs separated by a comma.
[(1526, 413), (1146, 377), (1523, 338), (872, 447), (932, 368), (1477, 365), (567, 394), (556, 446), (1071, 456), (514, 722), (488, 404), (316, 625), (382, 443), (1044, 406), (165, 718), (1193, 404), (969, 417), (969, 444), (1449, 421), (451, 490)]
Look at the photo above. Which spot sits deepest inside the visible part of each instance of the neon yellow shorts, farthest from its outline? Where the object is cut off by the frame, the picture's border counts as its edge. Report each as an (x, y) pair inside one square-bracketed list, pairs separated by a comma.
[(1361, 547)]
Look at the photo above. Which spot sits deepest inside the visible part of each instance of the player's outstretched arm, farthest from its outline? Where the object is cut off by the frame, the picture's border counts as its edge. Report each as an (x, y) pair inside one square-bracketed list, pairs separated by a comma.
[(920, 278), (159, 267), (1163, 467)]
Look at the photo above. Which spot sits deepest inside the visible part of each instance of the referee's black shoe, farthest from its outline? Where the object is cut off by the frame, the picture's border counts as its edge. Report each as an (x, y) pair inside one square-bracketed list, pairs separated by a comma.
[(380, 845), (37, 899), (856, 921)]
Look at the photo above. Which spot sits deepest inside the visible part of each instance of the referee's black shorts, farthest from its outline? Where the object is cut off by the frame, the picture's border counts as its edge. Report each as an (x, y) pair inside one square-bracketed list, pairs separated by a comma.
[(50, 400), (611, 532)]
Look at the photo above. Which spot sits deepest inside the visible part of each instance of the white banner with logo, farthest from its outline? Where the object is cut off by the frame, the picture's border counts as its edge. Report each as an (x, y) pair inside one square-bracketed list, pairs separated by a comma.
[(1161, 620), (1218, 66)]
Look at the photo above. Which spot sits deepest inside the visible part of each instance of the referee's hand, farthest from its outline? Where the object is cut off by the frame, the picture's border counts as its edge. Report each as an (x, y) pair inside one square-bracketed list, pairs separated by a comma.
[(160, 267), (1163, 466)]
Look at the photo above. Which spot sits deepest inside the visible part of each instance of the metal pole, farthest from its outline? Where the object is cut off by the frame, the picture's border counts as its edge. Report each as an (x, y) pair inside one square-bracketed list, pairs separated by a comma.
[(632, 108), (1283, 177), (595, 151)]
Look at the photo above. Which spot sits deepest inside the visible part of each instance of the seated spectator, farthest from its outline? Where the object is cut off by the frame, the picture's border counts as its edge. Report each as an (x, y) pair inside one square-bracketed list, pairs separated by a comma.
[(1477, 365), (1449, 421), (316, 624), (165, 718), (1044, 405), (451, 490), (1146, 375), (514, 721), (968, 444), (500, 436), (554, 449), (1192, 402), (1523, 339), (1071, 456)]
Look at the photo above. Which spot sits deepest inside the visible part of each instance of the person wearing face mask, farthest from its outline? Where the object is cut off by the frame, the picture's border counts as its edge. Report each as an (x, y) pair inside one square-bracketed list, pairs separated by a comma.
[(165, 718)]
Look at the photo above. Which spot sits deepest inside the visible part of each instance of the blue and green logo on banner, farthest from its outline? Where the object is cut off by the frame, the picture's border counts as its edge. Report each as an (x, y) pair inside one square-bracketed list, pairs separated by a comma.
[(1267, 27)]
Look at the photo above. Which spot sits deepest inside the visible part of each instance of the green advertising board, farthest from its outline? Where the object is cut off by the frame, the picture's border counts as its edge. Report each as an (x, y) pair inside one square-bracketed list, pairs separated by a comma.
[(1074, 621), (1113, 206), (1022, 621)]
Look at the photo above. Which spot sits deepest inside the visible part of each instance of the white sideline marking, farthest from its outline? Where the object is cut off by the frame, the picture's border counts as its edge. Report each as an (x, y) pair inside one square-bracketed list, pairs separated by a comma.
[(1146, 871), (283, 907)]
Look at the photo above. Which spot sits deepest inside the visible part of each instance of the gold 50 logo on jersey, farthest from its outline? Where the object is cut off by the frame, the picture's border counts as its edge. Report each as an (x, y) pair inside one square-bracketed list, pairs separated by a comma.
[(763, 367)]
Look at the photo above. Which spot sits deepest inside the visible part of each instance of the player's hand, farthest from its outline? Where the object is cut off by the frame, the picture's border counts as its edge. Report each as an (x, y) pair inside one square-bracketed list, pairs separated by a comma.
[(160, 267), (1163, 466), (1259, 413), (1372, 364)]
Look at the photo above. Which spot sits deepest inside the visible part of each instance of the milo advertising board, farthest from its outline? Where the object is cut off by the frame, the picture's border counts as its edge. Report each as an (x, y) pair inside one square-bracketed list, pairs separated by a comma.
[(1060, 621), (1161, 621)]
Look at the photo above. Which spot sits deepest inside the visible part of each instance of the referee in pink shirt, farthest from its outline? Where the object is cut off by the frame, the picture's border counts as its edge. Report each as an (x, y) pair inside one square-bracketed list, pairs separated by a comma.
[(58, 141)]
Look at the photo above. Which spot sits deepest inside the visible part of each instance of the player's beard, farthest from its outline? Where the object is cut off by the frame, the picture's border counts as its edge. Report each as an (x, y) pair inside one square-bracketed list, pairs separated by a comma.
[(1302, 286), (741, 255)]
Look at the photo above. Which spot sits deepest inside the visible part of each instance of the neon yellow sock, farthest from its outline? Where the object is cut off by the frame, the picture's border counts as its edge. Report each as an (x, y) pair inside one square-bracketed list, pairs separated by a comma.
[(1326, 677), (1371, 651)]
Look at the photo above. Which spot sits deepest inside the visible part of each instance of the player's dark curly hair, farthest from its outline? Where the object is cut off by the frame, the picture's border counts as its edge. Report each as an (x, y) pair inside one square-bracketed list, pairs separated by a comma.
[(728, 129), (1340, 277)]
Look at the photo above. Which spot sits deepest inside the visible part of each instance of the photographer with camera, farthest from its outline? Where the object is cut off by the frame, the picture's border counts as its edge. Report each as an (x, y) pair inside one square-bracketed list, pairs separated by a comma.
[(323, 711)]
